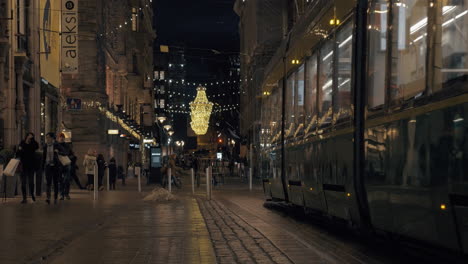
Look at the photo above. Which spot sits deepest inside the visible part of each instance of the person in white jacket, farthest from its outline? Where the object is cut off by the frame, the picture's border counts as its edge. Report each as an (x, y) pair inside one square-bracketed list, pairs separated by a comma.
[(89, 164)]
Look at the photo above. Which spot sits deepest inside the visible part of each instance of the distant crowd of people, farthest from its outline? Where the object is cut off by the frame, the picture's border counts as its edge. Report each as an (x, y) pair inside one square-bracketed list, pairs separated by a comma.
[(59, 165)]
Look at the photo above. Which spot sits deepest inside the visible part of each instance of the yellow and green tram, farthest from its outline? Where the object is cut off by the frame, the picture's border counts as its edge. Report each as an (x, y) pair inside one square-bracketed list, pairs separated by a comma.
[(364, 117)]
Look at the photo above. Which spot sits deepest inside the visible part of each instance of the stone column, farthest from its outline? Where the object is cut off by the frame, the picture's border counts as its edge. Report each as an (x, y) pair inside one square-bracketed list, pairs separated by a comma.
[(20, 108), (4, 47)]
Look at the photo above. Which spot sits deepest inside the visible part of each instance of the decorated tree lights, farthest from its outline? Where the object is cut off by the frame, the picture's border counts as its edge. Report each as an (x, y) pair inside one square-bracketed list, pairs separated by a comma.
[(200, 112)]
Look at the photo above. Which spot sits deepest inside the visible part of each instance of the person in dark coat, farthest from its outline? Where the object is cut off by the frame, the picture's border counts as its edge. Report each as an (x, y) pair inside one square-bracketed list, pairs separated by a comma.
[(73, 170), (121, 174), (65, 170), (51, 163), (101, 163), (112, 173), (27, 149)]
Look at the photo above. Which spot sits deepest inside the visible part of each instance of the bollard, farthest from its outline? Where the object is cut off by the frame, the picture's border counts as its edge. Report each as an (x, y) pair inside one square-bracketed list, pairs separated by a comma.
[(169, 174), (139, 182), (108, 183), (250, 178), (96, 187), (192, 173)]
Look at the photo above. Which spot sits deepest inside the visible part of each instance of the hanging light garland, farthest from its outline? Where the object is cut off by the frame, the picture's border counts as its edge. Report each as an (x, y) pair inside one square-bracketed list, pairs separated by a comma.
[(200, 112)]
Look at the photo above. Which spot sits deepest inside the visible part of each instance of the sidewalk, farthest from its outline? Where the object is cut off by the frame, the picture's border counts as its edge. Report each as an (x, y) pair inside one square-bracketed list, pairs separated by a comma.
[(118, 228), (236, 226)]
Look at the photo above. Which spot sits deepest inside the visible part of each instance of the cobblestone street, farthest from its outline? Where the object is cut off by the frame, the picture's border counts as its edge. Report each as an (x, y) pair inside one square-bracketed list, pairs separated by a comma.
[(234, 240)]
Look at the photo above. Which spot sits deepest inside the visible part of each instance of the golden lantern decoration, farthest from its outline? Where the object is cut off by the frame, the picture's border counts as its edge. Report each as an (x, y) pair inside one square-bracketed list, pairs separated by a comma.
[(200, 112)]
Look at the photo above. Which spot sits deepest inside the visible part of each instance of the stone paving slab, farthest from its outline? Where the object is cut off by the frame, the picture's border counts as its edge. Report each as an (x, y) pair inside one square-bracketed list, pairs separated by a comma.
[(119, 228)]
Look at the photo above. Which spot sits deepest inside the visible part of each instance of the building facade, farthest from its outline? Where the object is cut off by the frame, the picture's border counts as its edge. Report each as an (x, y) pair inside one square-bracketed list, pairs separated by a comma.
[(19, 71), (111, 87), (114, 83)]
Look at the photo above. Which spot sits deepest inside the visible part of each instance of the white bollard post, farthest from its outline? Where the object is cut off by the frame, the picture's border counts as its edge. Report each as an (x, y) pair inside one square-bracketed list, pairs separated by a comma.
[(192, 173), (169, 176), (139, 182), (108, 183), (250, 178), (96, 187)]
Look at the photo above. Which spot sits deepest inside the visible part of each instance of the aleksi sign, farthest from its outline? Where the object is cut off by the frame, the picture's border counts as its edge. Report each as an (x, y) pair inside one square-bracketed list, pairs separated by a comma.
[(69, 53)]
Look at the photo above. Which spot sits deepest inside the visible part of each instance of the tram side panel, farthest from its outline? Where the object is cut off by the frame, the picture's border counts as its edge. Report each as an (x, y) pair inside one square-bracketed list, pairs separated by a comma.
[(313, 181), (276, 186), (415, 167)]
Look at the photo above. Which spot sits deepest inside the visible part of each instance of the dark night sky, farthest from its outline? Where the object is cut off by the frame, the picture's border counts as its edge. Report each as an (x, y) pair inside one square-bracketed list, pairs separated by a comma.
[(209, 24)]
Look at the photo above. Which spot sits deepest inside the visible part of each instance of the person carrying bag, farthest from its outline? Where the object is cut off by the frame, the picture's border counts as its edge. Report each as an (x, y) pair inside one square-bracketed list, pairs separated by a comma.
[(26, 151)]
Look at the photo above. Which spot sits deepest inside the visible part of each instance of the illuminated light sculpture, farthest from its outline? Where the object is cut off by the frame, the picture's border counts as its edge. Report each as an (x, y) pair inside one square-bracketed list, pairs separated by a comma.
[(200, 112)]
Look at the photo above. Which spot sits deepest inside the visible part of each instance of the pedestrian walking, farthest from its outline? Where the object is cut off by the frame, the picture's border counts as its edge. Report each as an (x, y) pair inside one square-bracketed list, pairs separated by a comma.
[(65, 169), (27, 149), (101, 163), (73, 169), (112, 173), (51, 163), (195, 166), (89, 163), (121, 174)]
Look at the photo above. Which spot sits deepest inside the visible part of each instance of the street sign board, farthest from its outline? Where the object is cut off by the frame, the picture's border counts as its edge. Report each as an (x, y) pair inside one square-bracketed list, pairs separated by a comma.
[(73, 104), (69, 47)]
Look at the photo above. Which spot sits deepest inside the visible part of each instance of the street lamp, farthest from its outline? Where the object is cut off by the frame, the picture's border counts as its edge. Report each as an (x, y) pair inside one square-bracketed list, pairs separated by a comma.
[(170, 133), (161, 119), (167, 127)]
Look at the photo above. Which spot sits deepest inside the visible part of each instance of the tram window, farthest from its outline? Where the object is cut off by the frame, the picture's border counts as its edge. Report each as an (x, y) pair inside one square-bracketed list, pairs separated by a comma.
[(409, 46), (299, 112), (342, 100), (377, 32), (311, 89), (266, 115), (454, 44), (326, 82), (275, 121), (290, 94)]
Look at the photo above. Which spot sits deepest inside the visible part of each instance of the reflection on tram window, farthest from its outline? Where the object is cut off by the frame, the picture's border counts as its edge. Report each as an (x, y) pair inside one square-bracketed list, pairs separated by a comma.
[(377, 31), (454, 42), (342, 101), (290, 95), (275, 119), (299, 112), (409, 46), (311, 89), (326, 82)]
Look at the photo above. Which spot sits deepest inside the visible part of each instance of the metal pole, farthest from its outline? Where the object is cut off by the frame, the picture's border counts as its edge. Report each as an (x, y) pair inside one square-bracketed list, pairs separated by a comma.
[(139, 180), (359, 82), (169, 179), (208, 183), (95, 185), (192, 173), (107, 176), (250, 178), (283, 123), (211, 181)]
